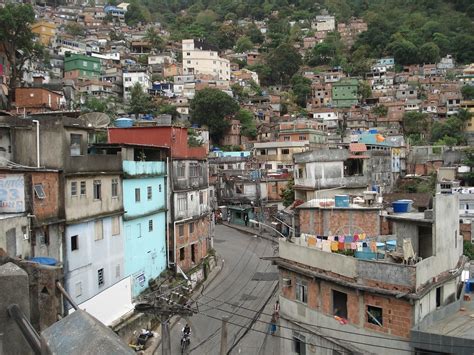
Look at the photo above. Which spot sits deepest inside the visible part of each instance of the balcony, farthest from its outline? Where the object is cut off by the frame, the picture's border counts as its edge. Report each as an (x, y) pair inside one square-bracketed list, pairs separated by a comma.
[(325, 183), (144, 168)]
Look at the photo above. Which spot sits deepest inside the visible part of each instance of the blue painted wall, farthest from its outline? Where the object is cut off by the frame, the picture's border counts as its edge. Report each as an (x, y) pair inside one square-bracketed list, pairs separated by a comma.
[(145, 249)]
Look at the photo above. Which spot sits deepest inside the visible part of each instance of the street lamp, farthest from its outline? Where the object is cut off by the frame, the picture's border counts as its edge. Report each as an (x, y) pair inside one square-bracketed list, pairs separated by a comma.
[(266, 225)]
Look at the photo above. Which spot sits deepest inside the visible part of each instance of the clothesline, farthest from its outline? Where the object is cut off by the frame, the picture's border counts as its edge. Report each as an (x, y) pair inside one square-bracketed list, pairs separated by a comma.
[(356, 242)]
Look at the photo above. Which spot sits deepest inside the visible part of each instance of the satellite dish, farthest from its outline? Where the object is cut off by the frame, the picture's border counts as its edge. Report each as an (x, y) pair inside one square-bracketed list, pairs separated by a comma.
[(96, 119)]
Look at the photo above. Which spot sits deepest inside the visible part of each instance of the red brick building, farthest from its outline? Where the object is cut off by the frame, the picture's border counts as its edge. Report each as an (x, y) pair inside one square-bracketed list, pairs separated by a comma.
[(34, 100)]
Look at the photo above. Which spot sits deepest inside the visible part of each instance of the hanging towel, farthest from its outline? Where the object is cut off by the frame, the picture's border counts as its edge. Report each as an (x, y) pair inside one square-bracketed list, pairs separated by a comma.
[(319, 244), (336, 238), (356, 237), (347, 246), (362, 236), (373, 247), (326, 244), (334, 245), (349, 239), (311, 241), (340, 246), (353, 246), (331, 238), (341, 238), (359, 246)]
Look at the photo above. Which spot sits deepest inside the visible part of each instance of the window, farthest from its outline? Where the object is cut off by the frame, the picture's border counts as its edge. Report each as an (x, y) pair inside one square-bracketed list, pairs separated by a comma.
[(339, 304), (286, 138), (181, 230), (150, 225), (182, 202), (302, 138), (139, 227), (194, 170), (99, 230), (191, 228), (299, 344), (201, 197), (137, 195), (97, 190), (117, 271), (100, 277), (302, 290), (114, 187), (159, 188), (374, 315), (115, 225), (74, 243), (181, 254), (268, 166), (39, 191), (285, 151), (149, 193), (83, 188), (439, 296), (73, 188), (75, 147), (181, 170), (193, 252), (78, 289)]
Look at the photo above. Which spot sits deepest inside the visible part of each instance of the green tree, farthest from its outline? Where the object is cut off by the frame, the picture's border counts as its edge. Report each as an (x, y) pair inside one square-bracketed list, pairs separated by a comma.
[(135, 14), (428, 53), (288, 193), (140, 102), (364, 90), (264, 73), (206, 18), (467, 92), (75, 29), (243, 44), (211, 107), (155, 40), (167, 109), (451, 131), (469, 161), (284, 61), (247, 123), (16, 41), (301, 87), (416, 126), (404, 51), (254, 33)]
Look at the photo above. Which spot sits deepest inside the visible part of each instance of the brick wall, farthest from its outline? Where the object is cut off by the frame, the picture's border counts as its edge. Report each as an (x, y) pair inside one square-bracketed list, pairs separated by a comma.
[(339, 221), (397, 315), (34, 99), (465, 230), (198, 238), (49, 206)]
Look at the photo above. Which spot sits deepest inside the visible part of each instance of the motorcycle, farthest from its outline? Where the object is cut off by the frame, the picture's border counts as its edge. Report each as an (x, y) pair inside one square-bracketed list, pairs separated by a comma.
[(185, 341)]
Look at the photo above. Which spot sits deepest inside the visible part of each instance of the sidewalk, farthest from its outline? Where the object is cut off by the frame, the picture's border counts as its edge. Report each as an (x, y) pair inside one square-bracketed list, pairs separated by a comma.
[(253, 231), (155, 342)]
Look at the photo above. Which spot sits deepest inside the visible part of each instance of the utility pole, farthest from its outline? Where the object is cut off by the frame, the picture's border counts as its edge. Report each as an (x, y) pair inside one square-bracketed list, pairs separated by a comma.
[(164, 306), (225, 319)]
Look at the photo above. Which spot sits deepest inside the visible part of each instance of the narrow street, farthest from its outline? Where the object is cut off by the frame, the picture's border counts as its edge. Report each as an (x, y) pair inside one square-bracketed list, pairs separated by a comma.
[(245, 283)]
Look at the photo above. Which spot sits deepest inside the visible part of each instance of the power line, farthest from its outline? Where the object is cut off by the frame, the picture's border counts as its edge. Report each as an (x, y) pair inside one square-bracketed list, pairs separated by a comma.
[(322, 327)]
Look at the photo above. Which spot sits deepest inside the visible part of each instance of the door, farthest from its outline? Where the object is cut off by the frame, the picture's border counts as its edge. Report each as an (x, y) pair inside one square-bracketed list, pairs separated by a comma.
[(11, 242)]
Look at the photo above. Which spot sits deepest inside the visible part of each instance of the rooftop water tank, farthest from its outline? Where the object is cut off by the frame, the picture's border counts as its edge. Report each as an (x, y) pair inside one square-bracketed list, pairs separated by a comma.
[(124, 122), (341, 200)]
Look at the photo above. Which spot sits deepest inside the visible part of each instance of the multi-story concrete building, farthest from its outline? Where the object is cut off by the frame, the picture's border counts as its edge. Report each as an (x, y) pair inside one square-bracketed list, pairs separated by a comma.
[(344, 93), (201, 60), (273, 156), (91, 203), (190, 223), (303, 130), (133, 75), (375, 299), (81, 67), (45, 31)]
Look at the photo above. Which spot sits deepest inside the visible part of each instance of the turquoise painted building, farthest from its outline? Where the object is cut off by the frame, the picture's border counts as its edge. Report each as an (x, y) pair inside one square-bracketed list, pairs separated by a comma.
[(144, 199)]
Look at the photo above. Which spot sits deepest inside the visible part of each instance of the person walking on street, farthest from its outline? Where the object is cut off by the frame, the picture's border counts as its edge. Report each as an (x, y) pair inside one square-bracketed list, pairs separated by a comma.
[(273, 326), (276, 309), (246, 220)]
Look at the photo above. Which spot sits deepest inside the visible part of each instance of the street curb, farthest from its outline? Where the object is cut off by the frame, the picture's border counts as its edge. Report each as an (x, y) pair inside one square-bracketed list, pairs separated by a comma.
[(250, 232), (204, 285)]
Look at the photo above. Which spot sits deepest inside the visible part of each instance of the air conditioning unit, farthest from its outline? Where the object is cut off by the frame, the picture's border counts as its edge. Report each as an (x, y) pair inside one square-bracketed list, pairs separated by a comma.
[(286, 282)]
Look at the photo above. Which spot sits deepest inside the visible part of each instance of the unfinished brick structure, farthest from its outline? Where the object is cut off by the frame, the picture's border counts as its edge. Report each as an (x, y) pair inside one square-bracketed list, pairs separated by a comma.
[(359, 304)]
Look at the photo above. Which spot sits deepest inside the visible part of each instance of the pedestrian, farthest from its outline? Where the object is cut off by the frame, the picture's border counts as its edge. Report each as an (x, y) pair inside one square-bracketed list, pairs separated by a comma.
[(276, 309), (228, 217), (273, 326), (246, 220)]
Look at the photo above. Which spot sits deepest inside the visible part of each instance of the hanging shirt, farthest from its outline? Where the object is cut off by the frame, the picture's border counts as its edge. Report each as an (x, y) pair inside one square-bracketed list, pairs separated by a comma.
[(326, 245), (360, 246), (334, 245)]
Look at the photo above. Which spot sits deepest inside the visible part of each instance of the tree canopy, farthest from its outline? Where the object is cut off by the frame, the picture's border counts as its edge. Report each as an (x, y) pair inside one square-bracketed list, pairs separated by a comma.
[(211, 107)]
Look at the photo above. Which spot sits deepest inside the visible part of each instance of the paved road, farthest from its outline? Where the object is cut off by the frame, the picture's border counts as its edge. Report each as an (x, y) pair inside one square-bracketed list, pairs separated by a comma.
[(245, 283)]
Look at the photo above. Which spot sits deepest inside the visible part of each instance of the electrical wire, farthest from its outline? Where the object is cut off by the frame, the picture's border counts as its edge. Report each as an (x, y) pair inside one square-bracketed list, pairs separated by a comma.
[(328, 328)]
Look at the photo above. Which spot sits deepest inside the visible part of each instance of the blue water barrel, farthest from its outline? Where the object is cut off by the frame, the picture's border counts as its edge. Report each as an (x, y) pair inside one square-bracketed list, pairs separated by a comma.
[(341, 200), (44, 260), (124, 122), (373, 131), (391, 245), (400, 206)]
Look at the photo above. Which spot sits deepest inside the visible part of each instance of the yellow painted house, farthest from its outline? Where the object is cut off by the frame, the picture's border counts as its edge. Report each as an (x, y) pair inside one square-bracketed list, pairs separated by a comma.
[(44, 30)]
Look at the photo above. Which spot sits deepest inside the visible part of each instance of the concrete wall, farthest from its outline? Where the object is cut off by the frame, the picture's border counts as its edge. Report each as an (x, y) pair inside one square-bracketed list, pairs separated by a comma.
[(198, 238), (193, 206), (83, 264), (12, 241), (145, 250), (144, 206), (83, 206), (448, 245), (187, 181)]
